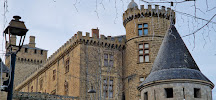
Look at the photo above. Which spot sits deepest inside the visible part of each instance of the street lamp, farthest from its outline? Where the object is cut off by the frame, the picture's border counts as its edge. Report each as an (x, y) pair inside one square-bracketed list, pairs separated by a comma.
[(91, 90), (15, 28)]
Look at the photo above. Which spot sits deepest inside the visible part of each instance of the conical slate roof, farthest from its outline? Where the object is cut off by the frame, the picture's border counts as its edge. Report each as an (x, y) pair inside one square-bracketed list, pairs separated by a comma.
[(132, 4), (174, 61)]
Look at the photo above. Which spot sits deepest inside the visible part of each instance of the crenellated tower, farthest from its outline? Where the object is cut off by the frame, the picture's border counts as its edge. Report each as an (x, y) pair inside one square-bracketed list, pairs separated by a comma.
[(145, 30)]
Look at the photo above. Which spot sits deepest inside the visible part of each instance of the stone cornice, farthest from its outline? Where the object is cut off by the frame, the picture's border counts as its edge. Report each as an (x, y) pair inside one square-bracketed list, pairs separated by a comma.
[(134, 13), (106, 42), (211, 85)]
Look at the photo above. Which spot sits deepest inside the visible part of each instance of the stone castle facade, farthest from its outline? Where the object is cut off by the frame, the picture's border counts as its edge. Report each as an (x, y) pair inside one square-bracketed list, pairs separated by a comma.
[(114, 65)]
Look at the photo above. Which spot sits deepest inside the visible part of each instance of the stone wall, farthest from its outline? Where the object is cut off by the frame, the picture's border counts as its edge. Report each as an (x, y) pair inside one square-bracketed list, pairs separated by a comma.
[(133, 69), (180, 90)]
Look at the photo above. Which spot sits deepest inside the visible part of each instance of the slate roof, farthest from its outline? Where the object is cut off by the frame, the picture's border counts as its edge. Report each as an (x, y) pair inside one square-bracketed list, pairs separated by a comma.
[(174, 61), (132, 4), (26, 46)]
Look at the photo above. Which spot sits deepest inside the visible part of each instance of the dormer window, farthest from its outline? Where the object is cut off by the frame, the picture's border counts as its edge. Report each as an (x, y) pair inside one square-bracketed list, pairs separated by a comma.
[(142, 29)]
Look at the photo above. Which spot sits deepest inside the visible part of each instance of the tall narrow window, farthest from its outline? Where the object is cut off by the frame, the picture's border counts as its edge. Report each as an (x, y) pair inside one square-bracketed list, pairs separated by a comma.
[(169, 92), (142, 29), (67, 63), (54, 75), (144, 52), (31, 88), (146, 96), (108, 60), (26, 50), (41, 83), (41, 52), (197, 93), (35, 51), (108, 88), (66, 88)]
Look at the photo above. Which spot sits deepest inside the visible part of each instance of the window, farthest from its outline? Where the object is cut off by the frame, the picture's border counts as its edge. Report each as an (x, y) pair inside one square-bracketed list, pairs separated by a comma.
[(146, 96), (35, 51), (197, 93), (41, 83), (41, 52), (169, 92), (67, 63), (108, 60), (144, 52), (142, 79), (54, 75), (108, 88), (66, 88), (142, 29), (31, 88), (26, 50)]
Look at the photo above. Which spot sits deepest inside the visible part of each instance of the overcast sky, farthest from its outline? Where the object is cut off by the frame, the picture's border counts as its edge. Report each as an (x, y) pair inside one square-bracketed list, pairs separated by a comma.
[(53, 22)]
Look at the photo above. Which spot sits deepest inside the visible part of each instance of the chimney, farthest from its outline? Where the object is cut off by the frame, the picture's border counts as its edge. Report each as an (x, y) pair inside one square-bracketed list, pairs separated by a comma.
[(13, 40), (95, 32), (32, 41)]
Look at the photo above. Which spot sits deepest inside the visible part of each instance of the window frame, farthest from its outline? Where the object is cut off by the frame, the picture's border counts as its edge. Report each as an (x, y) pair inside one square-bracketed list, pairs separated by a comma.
[(41, 83), (109, 60), (107, 85), (67, 65), (142, 29), (143, 52), (54, 74), (35, 51), (66, 87)]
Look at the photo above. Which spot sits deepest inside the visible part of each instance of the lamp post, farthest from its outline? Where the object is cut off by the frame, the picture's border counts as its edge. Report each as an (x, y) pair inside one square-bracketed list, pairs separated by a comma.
[(15, 28), (91, 91)]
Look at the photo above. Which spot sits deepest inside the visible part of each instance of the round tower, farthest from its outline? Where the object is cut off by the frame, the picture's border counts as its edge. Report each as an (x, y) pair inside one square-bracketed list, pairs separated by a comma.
[(175, 75), (145, 30)]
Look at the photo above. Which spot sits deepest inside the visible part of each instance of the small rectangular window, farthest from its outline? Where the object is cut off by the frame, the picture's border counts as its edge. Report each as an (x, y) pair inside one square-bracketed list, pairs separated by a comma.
[(169, 92), (142, 79), (26, 50), (35, 51), (142, 29), (197, 93), (41, 52), (146, 96)]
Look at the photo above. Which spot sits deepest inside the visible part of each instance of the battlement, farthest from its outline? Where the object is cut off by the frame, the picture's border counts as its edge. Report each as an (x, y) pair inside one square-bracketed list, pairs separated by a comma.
[(134, 13), (107, 42)]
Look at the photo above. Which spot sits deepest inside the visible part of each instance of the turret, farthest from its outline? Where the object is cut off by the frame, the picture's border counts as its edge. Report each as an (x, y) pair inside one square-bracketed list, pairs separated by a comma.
[(175, 74), (145, 29)]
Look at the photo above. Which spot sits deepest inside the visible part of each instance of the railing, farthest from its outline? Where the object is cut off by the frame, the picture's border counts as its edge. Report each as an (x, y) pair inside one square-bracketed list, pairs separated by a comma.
[(40, 96)]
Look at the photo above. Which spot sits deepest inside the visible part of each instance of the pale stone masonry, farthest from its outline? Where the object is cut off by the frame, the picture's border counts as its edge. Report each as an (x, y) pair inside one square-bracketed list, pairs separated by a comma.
[(114, 65)]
